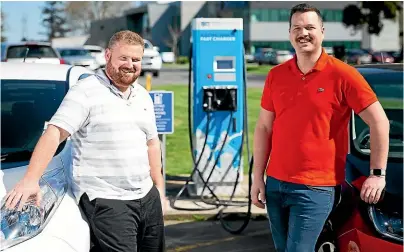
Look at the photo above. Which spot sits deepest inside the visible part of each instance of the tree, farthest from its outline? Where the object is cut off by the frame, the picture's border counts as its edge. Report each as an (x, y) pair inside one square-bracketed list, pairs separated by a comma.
[(370, 13), (81, 14), (3, 17), (54, 20), (172, 42)]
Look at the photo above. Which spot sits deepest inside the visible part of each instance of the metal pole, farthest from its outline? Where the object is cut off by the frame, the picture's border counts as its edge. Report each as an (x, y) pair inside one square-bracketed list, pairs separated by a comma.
[(162, 138)]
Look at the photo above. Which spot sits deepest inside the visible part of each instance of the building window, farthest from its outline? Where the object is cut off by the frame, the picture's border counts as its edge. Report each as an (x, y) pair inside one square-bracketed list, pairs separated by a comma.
[(282, 15), (331, 15)]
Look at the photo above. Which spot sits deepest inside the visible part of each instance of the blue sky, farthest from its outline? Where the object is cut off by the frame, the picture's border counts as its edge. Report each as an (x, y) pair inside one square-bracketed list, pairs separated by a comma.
[(15, 11)]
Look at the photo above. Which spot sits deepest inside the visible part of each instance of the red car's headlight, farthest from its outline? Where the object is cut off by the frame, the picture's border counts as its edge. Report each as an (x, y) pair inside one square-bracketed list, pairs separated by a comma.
[(387, 218)]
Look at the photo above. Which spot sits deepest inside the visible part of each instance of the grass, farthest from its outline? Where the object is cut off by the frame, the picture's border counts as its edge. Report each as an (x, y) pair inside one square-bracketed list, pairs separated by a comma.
[(251, 68), (179, 160), (256, 69)]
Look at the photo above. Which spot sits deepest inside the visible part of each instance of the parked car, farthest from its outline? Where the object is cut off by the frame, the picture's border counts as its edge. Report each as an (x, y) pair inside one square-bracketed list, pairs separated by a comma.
[(382, 57), (263, 56), (78, 56), (280, 56), (249, 58), (358, 56), (151, 61), (30, 95), (30, 52), (353, 224), (98, 53)]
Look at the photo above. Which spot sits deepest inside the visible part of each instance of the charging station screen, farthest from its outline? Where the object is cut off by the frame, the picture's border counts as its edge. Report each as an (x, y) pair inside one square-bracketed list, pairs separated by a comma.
[(225, 64)]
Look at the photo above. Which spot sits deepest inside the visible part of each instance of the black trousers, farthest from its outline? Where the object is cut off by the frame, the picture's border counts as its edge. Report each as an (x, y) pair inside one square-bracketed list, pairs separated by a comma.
[(126, 225)]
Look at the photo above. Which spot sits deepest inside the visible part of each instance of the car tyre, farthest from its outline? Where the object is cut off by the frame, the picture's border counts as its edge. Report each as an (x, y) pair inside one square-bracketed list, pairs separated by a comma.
[(156, 74), (327, 240), (326, 246)]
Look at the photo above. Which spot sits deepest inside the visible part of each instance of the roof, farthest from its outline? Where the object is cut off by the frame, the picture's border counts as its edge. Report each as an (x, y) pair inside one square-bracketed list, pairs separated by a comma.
[(27, 43), (71, 48), (389, 66), (33, 71)]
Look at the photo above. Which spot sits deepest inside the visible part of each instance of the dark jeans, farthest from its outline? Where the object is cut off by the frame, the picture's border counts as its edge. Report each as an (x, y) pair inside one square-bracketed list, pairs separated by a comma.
[(297, 213), (126, 225)]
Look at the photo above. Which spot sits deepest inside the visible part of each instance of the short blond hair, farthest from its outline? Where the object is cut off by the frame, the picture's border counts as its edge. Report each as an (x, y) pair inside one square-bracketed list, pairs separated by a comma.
[(127, 37)]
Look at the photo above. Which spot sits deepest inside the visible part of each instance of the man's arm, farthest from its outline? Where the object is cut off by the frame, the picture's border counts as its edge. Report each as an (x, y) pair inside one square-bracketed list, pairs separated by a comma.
[(42, 155), (154, 153), (44, 151), (262, 142), (375, 117), (70, 116), (262, 150)]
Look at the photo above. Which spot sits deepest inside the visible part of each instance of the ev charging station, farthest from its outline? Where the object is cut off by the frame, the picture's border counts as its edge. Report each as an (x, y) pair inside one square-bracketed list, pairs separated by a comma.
[(218, 108)]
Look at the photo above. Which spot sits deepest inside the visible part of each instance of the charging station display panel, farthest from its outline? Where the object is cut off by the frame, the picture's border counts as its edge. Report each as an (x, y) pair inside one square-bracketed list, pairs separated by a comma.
[(224, 64), (218, 96)]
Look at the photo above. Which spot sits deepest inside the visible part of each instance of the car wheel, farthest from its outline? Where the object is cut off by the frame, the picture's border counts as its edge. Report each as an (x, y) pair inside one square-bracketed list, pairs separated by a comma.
[(327, 240), (156, 74), (326, 246)]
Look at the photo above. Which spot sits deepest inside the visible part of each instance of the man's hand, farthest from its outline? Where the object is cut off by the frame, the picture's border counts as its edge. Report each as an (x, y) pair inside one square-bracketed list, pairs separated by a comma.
[(372, 189), (258, 193), (24, 189), (164, 201)]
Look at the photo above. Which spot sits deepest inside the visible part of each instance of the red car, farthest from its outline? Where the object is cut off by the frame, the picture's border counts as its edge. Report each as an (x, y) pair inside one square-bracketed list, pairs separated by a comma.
[(355, 226)]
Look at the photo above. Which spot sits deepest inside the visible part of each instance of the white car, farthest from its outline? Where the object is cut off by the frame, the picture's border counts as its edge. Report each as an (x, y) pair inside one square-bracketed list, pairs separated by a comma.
[(152, 61), (98, 53), (30, 52), (78, 56), (30, 95)]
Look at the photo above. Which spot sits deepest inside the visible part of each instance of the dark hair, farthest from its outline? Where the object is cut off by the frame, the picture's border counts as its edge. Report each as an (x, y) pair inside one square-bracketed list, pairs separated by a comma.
[(302, 8)]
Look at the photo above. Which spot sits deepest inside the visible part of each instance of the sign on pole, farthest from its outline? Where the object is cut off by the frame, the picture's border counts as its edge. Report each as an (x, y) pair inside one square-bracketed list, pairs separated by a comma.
[(164, 110)]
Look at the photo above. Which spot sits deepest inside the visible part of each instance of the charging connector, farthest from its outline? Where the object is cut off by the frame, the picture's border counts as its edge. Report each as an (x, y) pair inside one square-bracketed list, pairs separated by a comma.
[(220, 98)]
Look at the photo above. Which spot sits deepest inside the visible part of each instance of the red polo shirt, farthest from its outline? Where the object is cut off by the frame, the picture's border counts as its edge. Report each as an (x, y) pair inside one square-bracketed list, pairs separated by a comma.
[(312, 112)]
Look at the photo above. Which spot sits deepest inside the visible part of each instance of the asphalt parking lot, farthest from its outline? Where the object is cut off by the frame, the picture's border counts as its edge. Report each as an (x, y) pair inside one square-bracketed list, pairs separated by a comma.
[(209, 236)]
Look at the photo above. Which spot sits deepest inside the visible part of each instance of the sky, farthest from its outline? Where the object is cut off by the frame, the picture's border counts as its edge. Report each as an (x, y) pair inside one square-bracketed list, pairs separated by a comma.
[(14, 12)]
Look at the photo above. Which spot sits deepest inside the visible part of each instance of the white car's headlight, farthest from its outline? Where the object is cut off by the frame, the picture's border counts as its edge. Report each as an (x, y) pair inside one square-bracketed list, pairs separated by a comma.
[(19, 226)]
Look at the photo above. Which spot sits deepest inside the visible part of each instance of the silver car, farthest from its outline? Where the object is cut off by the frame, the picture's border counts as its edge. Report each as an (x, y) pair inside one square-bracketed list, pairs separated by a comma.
[(78, 57)]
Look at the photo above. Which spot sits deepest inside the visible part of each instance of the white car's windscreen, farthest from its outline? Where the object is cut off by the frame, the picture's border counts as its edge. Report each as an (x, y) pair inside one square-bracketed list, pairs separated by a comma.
[(389, 90), (26, 106)]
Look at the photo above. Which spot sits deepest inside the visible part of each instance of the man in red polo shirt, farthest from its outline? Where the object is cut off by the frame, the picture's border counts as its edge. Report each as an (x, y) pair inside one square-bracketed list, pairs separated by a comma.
[(301, 138)]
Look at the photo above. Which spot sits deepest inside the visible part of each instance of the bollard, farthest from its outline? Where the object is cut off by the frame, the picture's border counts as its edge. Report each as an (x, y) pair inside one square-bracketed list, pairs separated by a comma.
[(148, 81)]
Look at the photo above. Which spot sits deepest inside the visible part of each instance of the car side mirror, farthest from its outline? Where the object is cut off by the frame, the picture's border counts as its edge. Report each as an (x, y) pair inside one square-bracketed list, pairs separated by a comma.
[(156, 48)]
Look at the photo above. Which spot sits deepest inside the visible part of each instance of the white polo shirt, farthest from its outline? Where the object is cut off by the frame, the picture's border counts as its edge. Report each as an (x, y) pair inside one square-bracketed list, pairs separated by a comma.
[(109, 138)]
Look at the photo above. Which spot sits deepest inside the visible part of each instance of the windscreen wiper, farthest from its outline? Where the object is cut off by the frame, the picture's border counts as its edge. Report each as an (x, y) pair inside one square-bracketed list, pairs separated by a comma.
[(14, 156)]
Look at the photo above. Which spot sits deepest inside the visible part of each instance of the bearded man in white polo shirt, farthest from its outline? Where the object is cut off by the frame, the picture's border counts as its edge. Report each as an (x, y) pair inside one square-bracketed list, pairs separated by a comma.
[(116, 171)]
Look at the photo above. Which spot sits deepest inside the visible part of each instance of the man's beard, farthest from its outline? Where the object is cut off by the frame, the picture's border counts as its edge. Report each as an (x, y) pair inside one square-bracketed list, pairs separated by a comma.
[(119, 77)]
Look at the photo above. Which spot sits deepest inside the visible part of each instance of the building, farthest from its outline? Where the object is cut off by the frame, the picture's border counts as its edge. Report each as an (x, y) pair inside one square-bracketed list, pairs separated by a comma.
[(266, 24)]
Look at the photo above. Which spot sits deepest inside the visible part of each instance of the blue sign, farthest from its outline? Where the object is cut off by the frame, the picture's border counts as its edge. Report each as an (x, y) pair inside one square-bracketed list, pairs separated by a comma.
[(164, 110)]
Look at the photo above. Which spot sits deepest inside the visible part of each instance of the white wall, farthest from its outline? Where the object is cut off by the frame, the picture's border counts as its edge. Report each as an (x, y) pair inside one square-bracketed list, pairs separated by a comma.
[(388, 38)]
